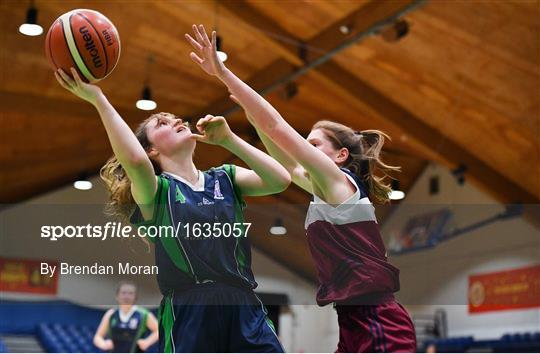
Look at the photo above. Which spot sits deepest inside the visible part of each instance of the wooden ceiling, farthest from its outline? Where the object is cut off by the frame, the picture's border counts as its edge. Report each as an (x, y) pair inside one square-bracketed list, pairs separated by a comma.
[(462, 87)]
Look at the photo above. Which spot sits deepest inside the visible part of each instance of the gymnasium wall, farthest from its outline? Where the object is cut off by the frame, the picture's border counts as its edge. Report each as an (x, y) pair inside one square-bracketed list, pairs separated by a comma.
[(304, 327), (438, 278)]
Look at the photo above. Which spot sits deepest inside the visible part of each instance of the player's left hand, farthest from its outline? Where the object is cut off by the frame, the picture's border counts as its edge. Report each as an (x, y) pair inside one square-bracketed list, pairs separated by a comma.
[(214, 130), (143, 344), (205, 53)]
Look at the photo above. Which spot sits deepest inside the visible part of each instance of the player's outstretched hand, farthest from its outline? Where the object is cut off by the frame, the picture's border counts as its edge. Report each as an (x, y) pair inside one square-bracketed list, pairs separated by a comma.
[(205, 51), (214, 130), (75, 85)]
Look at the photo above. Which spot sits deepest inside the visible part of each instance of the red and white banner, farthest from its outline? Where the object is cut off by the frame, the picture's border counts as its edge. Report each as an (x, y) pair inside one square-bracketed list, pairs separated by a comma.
[(505, 290), (24, 276)]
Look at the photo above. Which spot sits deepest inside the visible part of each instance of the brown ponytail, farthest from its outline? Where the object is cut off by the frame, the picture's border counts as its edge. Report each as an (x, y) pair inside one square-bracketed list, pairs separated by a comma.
[(364, 156), (121, 204)]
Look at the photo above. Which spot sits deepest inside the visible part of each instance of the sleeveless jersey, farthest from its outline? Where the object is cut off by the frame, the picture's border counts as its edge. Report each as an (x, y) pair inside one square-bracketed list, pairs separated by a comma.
[(206, 241), (125, 332), (347, 248)]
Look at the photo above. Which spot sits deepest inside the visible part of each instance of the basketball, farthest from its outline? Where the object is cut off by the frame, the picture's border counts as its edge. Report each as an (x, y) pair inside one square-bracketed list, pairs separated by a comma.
[(86, 40)]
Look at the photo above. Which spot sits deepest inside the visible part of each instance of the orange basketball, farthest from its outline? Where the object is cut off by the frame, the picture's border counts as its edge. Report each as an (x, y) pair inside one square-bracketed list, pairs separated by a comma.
[(86, 40)]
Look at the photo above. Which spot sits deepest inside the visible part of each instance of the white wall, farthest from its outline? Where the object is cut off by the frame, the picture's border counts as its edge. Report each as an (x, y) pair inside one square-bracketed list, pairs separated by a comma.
[(438, 278), (304, 327)]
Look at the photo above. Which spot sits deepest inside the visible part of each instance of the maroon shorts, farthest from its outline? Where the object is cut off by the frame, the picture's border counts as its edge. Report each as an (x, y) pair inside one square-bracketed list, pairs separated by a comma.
[(383, 328)]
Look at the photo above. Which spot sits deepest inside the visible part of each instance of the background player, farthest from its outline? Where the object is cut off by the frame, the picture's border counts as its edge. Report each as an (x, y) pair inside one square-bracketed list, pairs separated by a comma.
[(122, 329)]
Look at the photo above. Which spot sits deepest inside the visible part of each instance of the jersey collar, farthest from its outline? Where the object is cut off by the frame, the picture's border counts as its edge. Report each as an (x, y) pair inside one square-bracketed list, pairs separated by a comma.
[(198, 187)]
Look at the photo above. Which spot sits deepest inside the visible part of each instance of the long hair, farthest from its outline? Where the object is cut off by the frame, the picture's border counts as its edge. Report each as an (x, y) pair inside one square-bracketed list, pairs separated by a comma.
[(121, 204), (364, 156)]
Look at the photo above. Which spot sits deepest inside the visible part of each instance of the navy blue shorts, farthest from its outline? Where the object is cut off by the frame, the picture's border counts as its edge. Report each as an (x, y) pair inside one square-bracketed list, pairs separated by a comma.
[(214, 317)]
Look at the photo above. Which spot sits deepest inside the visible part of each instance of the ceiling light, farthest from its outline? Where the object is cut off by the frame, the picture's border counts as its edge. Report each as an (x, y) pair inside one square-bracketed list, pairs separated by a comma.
[(30, 27), (82, 183), (396, 193), (278, 228), (146, 103)]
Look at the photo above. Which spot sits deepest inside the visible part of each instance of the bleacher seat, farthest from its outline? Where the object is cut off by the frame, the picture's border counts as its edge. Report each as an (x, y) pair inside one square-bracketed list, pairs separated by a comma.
[(66, 338), (3, 348)]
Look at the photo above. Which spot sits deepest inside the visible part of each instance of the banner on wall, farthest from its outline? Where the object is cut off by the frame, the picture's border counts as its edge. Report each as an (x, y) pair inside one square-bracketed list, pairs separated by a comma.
[(421, 232), (505, 290), (24, 276)]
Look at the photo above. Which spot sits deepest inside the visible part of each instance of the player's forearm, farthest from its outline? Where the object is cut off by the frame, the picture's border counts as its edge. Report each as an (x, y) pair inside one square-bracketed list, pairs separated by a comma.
[(274, 174), (99, 341), (152, 338), (275, 151), (263, 114), (125, 145), (268, 120)]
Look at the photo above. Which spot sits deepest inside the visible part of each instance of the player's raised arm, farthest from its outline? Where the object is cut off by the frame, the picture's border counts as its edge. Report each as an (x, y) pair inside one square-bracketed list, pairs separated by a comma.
[(322, 170), (297, 172), (125, 145)]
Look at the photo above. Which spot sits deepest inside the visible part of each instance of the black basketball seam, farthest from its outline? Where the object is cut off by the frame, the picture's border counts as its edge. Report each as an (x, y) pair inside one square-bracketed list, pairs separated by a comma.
[(78, 50), (103, 45), (50, 49)]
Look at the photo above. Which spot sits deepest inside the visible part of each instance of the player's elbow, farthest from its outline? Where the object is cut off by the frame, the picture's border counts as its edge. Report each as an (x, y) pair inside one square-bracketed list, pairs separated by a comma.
[(281, 183), (96, 341)]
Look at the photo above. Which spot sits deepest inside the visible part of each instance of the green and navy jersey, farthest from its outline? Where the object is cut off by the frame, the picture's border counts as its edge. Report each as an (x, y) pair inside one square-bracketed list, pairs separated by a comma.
[(126, 329), (184, 259)]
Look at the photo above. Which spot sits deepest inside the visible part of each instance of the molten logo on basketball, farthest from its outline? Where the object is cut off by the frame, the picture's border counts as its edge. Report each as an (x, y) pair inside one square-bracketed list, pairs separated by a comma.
[(107, 37), (91, 47)]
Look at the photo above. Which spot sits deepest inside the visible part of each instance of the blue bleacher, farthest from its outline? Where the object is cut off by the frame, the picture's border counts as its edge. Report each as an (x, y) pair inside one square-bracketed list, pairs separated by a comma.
[(72, 329), (3, 348), (57, 338), (508, 343)]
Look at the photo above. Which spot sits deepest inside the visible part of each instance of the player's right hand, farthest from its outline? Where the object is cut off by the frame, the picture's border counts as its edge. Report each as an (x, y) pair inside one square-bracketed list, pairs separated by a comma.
[(87, 92), (107, 345), (205, 51)]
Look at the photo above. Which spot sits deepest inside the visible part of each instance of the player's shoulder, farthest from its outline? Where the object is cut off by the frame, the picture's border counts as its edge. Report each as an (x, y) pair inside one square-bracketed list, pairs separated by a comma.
[(142, 310), (227, 168), (109, 313), (357, 181), (224, 171)]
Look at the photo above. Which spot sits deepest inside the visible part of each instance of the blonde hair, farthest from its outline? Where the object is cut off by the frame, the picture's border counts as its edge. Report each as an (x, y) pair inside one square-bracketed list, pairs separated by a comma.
[(121, 204), (364, 156)]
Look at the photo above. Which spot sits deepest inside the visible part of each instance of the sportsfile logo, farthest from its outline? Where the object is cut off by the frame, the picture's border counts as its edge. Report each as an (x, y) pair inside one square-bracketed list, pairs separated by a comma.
[(118, 230)]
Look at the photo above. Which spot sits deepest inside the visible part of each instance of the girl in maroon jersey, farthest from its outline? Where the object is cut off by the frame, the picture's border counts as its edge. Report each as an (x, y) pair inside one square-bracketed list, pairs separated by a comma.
[(336, 165)]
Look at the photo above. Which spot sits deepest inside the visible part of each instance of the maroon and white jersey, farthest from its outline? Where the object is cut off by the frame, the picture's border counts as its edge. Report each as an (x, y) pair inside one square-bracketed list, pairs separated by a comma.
[(348, 250)]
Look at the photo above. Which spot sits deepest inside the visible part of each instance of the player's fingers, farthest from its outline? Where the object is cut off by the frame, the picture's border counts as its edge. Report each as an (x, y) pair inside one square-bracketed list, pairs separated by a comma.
[(205, 36), (214, 41), (201, 123), (76, 76), (61, 81), (198, 35), (193, 43), (199, 137), (68, 80), (196, 58)]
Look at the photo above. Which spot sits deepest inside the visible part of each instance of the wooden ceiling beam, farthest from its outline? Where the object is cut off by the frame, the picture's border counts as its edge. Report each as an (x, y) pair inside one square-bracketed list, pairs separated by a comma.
[(452, 154), (31, 104)]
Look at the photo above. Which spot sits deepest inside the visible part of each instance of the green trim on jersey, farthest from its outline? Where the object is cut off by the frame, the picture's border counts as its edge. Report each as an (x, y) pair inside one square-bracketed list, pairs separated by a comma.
[(142, 328), (166, 320), (161, 217), (239, 206)]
